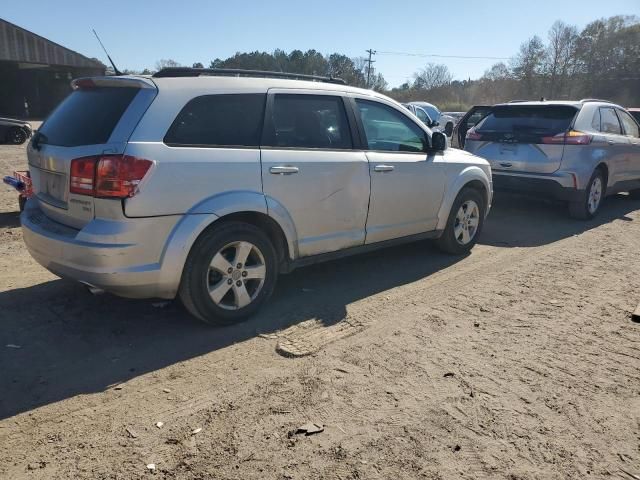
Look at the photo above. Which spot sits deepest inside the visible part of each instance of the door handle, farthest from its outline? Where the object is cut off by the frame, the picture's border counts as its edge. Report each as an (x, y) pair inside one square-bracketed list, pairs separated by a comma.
[(383, 168), (283, 170), (610, 142)]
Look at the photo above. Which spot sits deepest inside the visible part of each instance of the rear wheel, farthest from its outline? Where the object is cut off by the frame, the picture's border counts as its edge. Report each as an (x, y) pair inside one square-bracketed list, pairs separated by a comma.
[(587, 207), (230, 272), (464, 223), (16, 136)]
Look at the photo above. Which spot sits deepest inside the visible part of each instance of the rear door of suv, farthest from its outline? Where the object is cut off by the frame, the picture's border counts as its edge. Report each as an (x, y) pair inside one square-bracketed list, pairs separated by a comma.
[(96, 118), (310, 167), (468, 121), (522, 138)]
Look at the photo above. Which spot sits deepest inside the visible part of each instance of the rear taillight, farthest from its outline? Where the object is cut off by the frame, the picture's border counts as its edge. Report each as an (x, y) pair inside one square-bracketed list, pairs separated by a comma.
[(108, 176), (83, 172), (473, 135), (571, 137)]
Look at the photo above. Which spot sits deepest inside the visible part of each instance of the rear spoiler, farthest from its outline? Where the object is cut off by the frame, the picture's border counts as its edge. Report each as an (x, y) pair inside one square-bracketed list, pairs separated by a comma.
[(95, 82)]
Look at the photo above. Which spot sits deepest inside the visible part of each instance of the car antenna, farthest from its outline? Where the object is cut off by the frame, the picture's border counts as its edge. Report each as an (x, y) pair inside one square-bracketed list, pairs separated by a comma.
[(115, 69)]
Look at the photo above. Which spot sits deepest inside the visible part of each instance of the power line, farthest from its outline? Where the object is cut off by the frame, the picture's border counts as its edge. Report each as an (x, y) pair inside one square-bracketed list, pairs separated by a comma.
[(413, 54)]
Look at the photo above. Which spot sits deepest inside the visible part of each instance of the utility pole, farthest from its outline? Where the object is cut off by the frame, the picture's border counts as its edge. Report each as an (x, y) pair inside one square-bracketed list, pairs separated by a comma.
[(370, 52)]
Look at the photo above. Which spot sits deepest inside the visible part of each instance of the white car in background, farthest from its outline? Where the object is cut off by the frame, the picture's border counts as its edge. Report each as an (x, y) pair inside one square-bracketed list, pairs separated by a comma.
[(444, 123)]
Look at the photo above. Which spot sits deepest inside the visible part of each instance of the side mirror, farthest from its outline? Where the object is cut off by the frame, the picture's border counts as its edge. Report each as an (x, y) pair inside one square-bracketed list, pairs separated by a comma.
[(438, 141)]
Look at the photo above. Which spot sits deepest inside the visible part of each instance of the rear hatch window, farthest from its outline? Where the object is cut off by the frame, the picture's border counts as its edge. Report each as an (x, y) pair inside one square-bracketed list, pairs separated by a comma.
[(86, 117), (92, 120), (525, 123)]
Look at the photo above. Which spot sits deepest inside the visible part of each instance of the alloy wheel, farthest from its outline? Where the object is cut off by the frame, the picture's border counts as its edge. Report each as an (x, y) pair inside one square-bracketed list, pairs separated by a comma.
[(466, 222), (236, 275), (595, 195)]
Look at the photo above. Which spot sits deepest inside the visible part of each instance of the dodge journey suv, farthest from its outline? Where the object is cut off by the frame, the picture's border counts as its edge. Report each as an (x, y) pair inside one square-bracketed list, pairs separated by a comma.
[(206, 184), (577, 151)]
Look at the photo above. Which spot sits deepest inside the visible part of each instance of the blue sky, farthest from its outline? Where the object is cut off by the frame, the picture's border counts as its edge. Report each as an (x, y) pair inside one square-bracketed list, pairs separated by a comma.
[(137, 33)]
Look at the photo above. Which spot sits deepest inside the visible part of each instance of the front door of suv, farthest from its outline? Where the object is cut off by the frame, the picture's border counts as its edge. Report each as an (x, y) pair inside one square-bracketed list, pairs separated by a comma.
[(310, 169), (407, 184)]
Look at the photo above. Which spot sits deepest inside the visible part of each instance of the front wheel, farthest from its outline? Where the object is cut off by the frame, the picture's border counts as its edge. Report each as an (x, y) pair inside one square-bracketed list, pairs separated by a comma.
[(464, 223), (587, 207), (230, 272)]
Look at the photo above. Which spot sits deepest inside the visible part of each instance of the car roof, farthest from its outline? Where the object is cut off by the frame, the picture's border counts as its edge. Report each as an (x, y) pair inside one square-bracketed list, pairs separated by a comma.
[(569, 103), (518, 103), (424, 104), (219, 83)]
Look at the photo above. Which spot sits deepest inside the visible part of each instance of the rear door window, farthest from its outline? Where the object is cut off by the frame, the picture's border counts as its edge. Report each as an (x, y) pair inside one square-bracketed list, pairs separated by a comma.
[(232, 120), (629, 124), (609, 122), (308, 121), (388, 130), (528, 119), (86, 116)]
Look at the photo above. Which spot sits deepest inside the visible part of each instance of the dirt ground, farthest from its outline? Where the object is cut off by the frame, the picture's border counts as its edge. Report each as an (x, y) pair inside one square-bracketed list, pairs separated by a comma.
[(520, 361)]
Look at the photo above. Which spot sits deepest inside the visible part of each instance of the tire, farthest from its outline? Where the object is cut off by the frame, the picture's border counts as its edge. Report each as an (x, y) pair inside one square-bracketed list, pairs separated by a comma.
[(216, 252), (16, 136), (453, 239), (584, 209)]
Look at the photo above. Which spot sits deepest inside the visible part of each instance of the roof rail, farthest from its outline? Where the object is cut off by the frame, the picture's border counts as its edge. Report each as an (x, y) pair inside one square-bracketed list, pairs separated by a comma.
[(585, 100), (519, 101), (237, 72)]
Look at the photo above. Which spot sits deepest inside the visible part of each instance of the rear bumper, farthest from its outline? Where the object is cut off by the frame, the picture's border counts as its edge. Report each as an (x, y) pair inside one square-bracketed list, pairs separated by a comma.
[(122, 257), (555, 186)]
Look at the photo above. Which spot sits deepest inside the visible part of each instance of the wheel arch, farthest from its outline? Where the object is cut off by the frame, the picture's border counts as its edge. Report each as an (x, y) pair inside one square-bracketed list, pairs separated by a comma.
[(248, 207), (472, 177), (605, 171)]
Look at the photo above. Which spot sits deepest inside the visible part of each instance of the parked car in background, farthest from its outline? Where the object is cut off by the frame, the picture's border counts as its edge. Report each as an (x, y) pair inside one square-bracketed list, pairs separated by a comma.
[(635, 112), (444, 122), (14, 131), (468, 120), (422, 115), (455, 115), (204, 185), (576, 151)]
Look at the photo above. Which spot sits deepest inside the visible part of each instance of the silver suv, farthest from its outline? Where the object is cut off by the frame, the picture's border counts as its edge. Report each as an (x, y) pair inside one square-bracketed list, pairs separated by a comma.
[(573, 151), (207, 186)]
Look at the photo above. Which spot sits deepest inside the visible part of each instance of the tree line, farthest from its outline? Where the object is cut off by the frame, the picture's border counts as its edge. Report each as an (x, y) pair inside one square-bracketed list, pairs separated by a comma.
[(600, 61)]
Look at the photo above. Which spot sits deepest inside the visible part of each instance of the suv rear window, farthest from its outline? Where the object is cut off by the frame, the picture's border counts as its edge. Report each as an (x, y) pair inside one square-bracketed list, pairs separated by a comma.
[(230, 120), (86, 117), (528, 119)]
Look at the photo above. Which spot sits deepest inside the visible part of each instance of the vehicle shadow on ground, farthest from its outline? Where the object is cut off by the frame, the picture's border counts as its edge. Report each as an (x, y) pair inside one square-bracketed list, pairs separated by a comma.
[(9, 219), (72, 343), (519, 221)]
